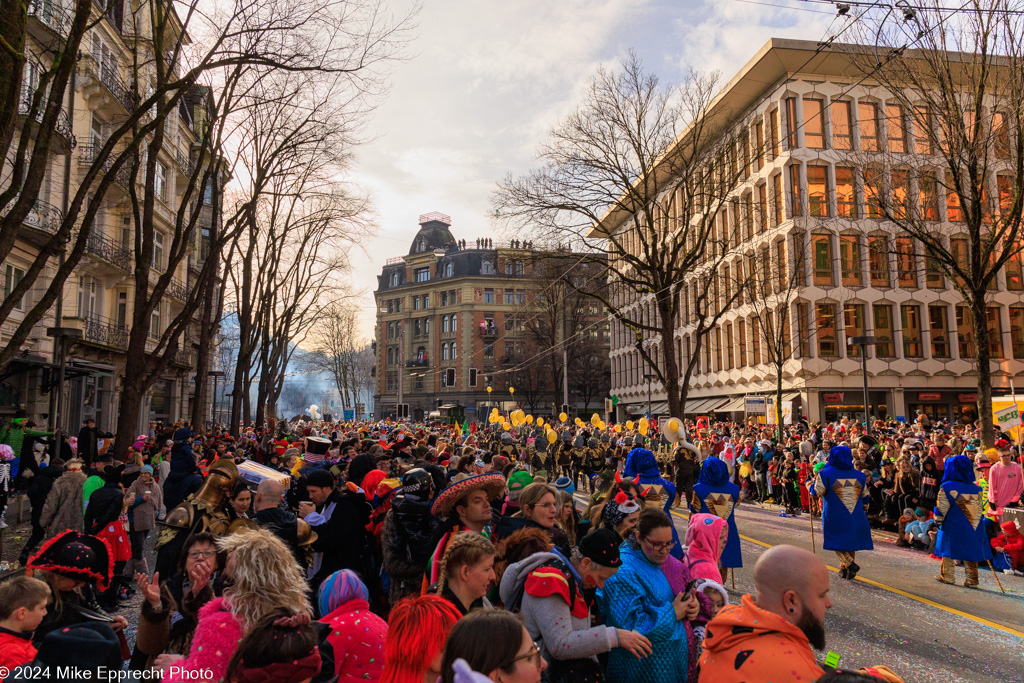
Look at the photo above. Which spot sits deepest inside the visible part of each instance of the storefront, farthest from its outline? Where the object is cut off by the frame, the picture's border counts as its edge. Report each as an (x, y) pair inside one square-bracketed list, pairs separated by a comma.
[(835, 405), (943, 405)]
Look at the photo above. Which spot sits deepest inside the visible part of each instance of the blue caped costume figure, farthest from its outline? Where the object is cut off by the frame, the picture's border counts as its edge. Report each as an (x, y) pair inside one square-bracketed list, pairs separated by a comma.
[(844, 519), (641, 462), (719, 496), (958, 512)]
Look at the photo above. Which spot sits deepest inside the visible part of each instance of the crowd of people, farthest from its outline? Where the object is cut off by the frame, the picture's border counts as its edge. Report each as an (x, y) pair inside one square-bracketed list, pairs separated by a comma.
[(408, 553)]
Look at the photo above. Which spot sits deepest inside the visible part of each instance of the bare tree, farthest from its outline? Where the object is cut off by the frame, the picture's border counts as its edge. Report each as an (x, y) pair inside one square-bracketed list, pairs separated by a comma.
[(340, 351), (620, 174), (952, 138)]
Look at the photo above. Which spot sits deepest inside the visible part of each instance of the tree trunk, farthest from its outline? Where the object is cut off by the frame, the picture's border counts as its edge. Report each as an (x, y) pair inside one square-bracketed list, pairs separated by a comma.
[(984, 366), (203, 357), (129, 411), (778, 402)]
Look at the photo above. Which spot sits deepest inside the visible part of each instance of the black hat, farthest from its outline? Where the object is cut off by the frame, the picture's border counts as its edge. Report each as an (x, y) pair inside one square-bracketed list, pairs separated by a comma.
[(602, 547), (320, 478), (76, 555), (91, 646)]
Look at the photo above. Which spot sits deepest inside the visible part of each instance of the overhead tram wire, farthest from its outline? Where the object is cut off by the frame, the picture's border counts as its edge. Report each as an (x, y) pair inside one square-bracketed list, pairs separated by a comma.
[(893, 54)]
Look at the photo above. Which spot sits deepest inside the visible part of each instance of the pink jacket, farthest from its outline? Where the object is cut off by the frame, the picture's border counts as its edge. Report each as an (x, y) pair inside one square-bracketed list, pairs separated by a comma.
[(1005, 485), (703, 536), (357, 637), (217, 635)]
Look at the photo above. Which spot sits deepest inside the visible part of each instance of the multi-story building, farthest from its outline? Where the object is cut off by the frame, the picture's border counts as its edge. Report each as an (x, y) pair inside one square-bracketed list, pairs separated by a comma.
[(98, 298), (452, 322), (810, 139)]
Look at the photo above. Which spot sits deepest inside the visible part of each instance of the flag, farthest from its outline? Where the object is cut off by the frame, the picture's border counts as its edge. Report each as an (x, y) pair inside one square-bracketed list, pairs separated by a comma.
[(472, 427), (465, 427)]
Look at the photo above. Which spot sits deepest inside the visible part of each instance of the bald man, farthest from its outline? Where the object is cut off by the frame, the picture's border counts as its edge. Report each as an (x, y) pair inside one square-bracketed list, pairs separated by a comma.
[(270, 515), (769, 636)]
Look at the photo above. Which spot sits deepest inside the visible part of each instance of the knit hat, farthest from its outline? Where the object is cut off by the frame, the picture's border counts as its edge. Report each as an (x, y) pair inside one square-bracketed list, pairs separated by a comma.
[(602, 547), (518, 481), (321, 479), (565, 484), (147, 469), (77, 556)]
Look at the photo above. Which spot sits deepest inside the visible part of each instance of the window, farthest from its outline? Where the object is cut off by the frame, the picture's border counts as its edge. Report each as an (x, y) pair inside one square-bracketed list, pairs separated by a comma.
[(867, 113), (444, 298), (487, 268), (417, 328), (423, 275), (748, 214), (455, 322), (878, 261), (728, 347), (939, 326), (922, 130), (794, 186), (160, 182), (954, 210), (884, 348), (781, 266), (964, 332), (900, 195), (156, 324), (853, 323), (762, 206), (444, 324), (489, 350), (849, 260), (12, 276), (455, 350), (396, 280), (910, 317), (932, 271), (510, 296), (905, 263), (718, 349), (928, 196), (1014, 274), (895, 129), (822, 245), (827, 337), (814, 125), (762, 153), (158, 251), (995, 331), (872, 192), (1001, 135), (803, 316), (958, 250), (780, 204), (846, 198), (799, 259), (791, 137), (444, 352), (775, 130), (122, 309), (426, 301), (449, 269), (742, 326), (817, 191), (488, 296), (1017, 331), (755, 342), (842, 137), (415, 303), (449, 377)]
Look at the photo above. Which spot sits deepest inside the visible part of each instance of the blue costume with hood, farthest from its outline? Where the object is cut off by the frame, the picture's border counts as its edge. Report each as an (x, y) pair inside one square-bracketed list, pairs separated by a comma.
[(642, 462), (845, 494), (719, 496), (958, 513)]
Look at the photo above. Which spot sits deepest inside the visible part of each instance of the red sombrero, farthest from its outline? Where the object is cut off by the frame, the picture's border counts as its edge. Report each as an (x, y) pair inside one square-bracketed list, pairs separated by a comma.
[(76, 555), (492, 482)]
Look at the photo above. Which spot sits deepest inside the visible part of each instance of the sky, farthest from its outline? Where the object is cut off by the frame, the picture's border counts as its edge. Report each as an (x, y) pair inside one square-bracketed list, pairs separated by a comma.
[(483, 82)]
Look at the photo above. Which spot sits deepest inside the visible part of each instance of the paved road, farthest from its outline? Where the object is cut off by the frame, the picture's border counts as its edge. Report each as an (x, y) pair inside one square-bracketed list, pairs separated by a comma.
[(871, 623)]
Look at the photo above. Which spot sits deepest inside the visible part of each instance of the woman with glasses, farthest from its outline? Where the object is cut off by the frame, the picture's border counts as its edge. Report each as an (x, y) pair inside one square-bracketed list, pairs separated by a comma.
[(538, 508), (639, 598), (494, 643)]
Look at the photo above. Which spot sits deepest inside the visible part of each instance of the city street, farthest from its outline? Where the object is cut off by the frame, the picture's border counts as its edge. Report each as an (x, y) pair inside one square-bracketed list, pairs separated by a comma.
[(895, 613)]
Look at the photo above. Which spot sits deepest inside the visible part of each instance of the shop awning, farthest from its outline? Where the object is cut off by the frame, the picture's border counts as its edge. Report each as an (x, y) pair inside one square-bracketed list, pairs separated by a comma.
[(659, 408), (790, 396), (706, 405), (736, 405)]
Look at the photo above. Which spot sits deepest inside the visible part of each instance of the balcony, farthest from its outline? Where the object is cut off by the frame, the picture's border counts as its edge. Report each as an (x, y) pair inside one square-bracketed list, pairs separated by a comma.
[(418, 363), (48, 22), (489, 331), (62, 127), (43, 219), (88, 155), (182, 358), (105, 332), (176, 289), (103, 87), (110, 252), (185, 163)]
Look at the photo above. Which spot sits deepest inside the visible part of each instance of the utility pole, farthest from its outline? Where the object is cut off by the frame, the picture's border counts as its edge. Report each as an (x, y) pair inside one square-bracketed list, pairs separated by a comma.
[(401, 369)]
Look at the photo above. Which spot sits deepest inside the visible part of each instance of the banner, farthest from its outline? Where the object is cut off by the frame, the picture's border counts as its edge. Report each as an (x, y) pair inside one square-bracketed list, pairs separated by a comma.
[(1008, 417)]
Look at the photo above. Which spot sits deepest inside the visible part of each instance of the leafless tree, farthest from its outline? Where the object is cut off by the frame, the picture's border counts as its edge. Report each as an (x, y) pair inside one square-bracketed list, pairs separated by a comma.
[(340, 350), (642, 172), (948, 172)]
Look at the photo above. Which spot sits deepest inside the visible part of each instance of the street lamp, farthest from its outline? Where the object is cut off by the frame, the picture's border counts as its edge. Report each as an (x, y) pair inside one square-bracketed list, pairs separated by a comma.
[(864, 343), (650, 378)]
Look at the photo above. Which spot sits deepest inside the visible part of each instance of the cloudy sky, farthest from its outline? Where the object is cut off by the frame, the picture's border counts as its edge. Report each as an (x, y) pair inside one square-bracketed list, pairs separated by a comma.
[(484, 81)]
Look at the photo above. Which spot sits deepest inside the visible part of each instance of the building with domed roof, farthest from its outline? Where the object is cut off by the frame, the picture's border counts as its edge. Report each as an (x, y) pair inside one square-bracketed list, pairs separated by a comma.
[(456, 317)]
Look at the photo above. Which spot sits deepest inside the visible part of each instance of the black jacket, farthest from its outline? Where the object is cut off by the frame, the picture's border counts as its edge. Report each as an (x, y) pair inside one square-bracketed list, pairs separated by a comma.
[(342, 537), (104, 507), (285, 526), (40, 487), (87, 439)]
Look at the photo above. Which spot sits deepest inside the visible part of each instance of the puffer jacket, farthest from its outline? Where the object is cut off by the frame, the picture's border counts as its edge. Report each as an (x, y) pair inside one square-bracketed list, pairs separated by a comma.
[(638, 598), (64, 506), (217, 635)]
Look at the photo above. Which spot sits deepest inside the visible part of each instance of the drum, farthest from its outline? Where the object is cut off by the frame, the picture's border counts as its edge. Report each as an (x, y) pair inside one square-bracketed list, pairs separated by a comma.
[(317, 445)]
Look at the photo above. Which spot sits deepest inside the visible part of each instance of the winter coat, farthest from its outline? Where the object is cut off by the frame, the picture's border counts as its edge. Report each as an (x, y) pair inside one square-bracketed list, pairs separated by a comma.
[(39, 489), (342, 537), (703, 535), (285, 525), (171, 628), (184, 478), (843, 489), (556, 619), (217, 635), (14, 437), (719, 496), (958, 513), (404, 571), (105, 507), (638, 598), (64, 508), (141, 513), (930, 479), (749, 644), (15, 649), (357, 637)]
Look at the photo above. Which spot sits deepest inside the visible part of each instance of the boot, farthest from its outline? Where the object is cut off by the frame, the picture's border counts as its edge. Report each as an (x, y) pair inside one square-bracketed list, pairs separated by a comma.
[(851, 573)]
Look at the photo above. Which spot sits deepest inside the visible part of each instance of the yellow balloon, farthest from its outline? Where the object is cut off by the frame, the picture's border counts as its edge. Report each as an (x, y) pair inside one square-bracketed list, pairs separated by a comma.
[(511, 390), (563, 417), (490, 418), (595, 419), (529, 419), (673, 425), (540, 421), (643, 423), (602, 425), (494, 411), (552, 436), (578, 421), (489, 390), (643, 430), (617, 428), (629, 424), (507, 426)]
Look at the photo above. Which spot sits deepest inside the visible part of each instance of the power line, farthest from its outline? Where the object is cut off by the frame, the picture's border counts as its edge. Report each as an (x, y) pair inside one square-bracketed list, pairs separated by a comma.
[(799, 9)]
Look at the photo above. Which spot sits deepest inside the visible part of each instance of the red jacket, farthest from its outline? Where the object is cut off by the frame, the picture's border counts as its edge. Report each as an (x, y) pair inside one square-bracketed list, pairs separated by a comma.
[(15, 649), (357, 637)]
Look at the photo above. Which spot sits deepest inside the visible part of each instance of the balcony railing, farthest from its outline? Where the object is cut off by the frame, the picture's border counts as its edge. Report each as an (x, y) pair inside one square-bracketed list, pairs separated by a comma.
[(51, 15), (89, 154), (184, 163), (108, 74), (183, 357), (419, 363), (44, 217), (107, 332), (62, 127), (106, 249), (177, 290), (488, 331)]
